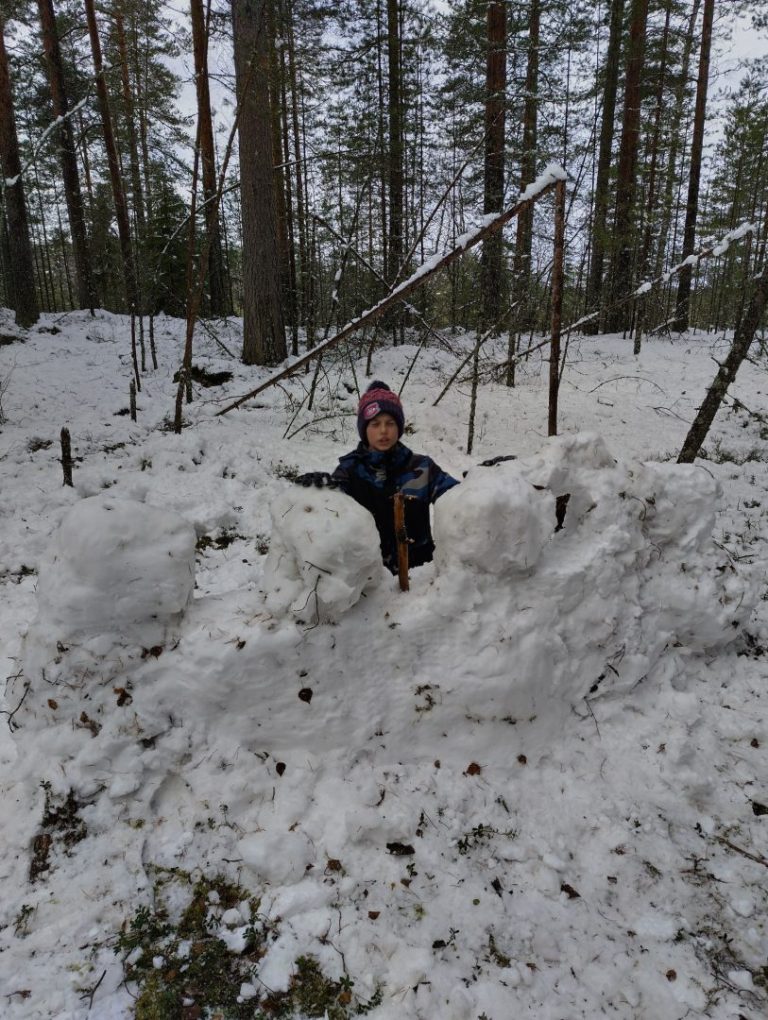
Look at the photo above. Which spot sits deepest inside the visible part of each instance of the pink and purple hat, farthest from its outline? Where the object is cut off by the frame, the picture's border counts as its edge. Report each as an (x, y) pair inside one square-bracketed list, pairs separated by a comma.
[(379, 399)]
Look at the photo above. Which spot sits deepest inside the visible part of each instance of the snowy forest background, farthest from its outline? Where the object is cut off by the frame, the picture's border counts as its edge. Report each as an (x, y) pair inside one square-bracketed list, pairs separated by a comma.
[(376, 133)]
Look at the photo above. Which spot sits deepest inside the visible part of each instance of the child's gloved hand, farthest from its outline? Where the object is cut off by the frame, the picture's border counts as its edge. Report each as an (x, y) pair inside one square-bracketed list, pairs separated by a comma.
[(317, 479)]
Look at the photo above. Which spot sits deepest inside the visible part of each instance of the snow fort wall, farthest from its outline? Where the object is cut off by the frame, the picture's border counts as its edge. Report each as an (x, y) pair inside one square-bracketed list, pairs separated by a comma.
[(323, 555), (113, 585)]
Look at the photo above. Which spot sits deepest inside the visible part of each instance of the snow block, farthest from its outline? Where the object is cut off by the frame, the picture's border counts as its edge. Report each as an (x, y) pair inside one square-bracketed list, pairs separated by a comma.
[(324, 553), (116, 575), (496, 522), (114, 564)]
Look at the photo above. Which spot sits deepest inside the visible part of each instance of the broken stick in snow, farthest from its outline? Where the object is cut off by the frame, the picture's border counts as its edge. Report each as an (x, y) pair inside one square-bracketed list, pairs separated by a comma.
[(66, 456), (402, 541)]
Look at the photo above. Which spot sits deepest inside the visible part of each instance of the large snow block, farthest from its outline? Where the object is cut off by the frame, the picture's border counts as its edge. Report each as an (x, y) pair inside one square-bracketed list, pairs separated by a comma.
[(324, 554), (114, 563), (495, 522)]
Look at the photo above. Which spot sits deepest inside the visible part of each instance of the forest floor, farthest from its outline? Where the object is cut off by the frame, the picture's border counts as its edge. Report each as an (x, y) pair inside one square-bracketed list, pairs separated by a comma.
[(436, 804)]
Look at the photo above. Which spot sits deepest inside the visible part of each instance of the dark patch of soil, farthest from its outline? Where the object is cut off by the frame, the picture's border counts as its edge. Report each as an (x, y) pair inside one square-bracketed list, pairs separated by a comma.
[(61, 825), (206, 378)]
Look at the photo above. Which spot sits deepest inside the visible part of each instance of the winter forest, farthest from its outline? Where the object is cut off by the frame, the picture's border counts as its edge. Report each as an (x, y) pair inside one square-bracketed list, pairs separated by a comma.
[(246, 771), (371, 135)]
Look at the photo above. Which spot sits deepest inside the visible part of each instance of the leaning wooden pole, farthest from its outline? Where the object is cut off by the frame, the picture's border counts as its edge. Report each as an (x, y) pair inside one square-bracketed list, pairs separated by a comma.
[(557, 305), (402, 541), (543, 184)]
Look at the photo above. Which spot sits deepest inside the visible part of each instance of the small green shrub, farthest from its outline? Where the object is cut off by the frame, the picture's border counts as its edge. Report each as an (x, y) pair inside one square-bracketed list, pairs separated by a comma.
[(181, 969)]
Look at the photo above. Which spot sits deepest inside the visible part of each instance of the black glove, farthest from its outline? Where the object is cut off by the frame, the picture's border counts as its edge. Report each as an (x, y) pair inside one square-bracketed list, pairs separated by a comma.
[(497, 460), (492, 462), (317, 479)]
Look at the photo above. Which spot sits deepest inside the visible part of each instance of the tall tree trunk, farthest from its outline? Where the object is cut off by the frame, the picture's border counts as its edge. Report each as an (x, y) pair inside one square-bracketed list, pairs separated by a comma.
[(605, 151), (86, 296), (301, 221), (524, 234), (626, 185), (22, 273), (395, 160), (492, 257), (216, 283), (281, 193), (651, 197), (694, 177), (263, 329), (118, 195), (133, 152)]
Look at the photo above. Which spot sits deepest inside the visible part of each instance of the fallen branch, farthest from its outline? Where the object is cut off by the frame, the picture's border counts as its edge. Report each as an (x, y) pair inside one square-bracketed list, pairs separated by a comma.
[(726, 374), (742, 851), (489, 225)]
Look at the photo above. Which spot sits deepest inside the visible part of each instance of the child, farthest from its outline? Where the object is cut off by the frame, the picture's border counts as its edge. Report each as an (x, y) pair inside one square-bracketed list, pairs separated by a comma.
[(381, 466)]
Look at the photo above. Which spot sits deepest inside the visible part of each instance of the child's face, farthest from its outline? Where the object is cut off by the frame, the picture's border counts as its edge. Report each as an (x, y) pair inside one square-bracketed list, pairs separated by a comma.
[(381, 433)]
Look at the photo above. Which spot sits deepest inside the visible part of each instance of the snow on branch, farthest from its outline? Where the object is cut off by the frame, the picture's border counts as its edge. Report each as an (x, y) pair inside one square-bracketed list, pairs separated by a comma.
[(488, 225), (710, 248), (10, 182)]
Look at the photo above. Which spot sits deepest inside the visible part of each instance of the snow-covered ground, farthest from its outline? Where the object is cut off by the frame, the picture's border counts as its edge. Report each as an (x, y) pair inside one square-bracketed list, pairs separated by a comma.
[(532, 786)]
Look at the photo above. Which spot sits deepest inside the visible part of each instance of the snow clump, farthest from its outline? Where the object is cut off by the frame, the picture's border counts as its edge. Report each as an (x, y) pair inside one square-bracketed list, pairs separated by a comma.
[(115, 578), (115, 565), (323, 555)]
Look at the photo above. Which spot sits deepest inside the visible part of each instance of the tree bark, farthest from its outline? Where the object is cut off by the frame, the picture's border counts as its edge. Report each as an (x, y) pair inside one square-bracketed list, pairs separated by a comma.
[(118, 195), (524, 233), (557, 306), (416, 280), (626, 186), (694, 178), (727, 372), (86, 295), (492, 257), (263, 329), (395, 114), (216, 283), (25, 302), (600, 213), (133, 147)]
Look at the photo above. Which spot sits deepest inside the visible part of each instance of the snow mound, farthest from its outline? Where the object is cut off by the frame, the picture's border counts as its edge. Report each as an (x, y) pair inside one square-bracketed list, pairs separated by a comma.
[(497, 523), (113, 564), (323, 555), (114, 582)]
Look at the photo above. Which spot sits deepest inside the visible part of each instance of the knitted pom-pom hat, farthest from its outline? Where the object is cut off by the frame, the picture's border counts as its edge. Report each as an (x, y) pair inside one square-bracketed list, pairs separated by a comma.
[(379, 399)]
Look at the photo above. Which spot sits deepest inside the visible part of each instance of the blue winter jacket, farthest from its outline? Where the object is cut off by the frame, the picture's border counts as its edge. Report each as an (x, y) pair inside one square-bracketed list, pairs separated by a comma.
[(372, 478)]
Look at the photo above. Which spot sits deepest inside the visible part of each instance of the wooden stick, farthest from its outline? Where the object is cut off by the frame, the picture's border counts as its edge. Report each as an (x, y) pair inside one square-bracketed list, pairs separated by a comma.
[(66, 456), (402, 541)]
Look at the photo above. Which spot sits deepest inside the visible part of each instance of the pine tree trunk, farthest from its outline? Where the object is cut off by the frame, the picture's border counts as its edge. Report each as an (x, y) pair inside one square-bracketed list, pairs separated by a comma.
[(653, 162), (395, 155), (118, 195), (677, 118), (216, 283), (626, 185), (600, 213), (492, 256), (301, 219), (524, 234), (133, 152), (263, 329), (694, 178), (281, 195), (86, 296), (558, 275), (22, 273)]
